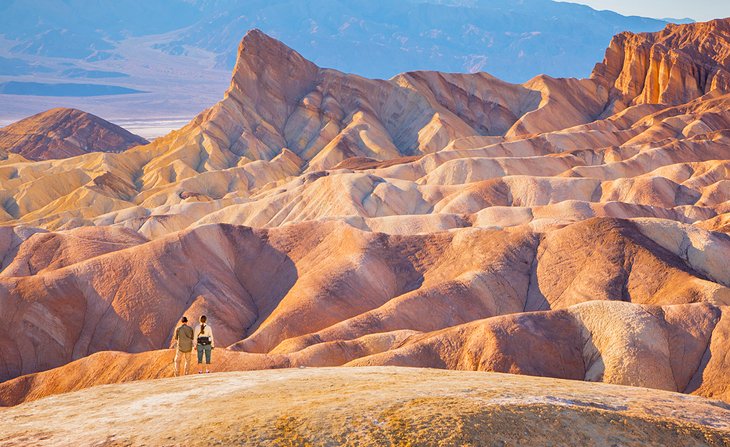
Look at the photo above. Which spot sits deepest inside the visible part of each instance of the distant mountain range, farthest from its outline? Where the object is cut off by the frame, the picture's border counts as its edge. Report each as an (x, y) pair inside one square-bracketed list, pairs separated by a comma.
[(168, 47)]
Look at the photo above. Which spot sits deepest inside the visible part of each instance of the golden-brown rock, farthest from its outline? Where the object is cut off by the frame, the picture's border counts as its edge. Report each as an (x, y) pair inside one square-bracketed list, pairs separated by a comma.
[(63, 133), (674, 66)]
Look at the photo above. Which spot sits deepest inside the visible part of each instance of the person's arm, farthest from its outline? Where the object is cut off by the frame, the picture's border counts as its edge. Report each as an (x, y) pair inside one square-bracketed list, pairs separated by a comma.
[(195, 337), (173, 343), (212, 343)]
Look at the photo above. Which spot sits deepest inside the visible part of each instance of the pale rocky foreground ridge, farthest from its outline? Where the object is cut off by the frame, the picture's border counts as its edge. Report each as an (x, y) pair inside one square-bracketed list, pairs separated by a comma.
[(367, 407)]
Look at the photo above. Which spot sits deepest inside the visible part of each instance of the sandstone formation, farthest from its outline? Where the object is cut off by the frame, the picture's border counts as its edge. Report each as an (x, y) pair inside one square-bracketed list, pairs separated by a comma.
[(338, 406), (64, 133), (673, 66), (574, 229), (278, 145), (628, 305)]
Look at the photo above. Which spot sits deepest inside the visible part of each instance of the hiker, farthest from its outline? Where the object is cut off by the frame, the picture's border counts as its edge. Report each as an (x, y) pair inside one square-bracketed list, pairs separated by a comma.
[(204, 343), (184, 349)]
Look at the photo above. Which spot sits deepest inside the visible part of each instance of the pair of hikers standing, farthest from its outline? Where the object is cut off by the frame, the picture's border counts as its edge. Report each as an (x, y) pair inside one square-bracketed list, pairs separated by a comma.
[(187, 339)]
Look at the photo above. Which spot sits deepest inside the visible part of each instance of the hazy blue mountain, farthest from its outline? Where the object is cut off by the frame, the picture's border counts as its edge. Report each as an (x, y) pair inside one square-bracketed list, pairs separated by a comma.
[(166, 60), (80, 28), (514, 40)]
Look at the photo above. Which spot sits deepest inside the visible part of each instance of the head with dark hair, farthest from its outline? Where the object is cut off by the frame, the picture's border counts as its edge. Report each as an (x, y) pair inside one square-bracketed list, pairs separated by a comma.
[(184, 319), (203, 319)]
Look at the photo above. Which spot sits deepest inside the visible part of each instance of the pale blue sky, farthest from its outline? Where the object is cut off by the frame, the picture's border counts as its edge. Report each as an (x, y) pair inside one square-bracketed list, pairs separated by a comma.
[(700, 10)]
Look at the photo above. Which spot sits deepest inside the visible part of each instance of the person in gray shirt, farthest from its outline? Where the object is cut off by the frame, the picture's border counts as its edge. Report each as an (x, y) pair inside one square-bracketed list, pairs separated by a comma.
[(184, 345)]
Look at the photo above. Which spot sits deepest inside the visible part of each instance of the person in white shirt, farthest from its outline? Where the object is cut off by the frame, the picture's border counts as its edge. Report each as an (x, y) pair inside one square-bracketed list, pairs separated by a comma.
[(204, 343)]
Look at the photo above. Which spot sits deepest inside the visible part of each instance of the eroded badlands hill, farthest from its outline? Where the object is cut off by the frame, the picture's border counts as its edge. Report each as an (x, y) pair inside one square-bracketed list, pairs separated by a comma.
[(63, 133), (326, 294), (564, 228), (460, 148), (367, 407)]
